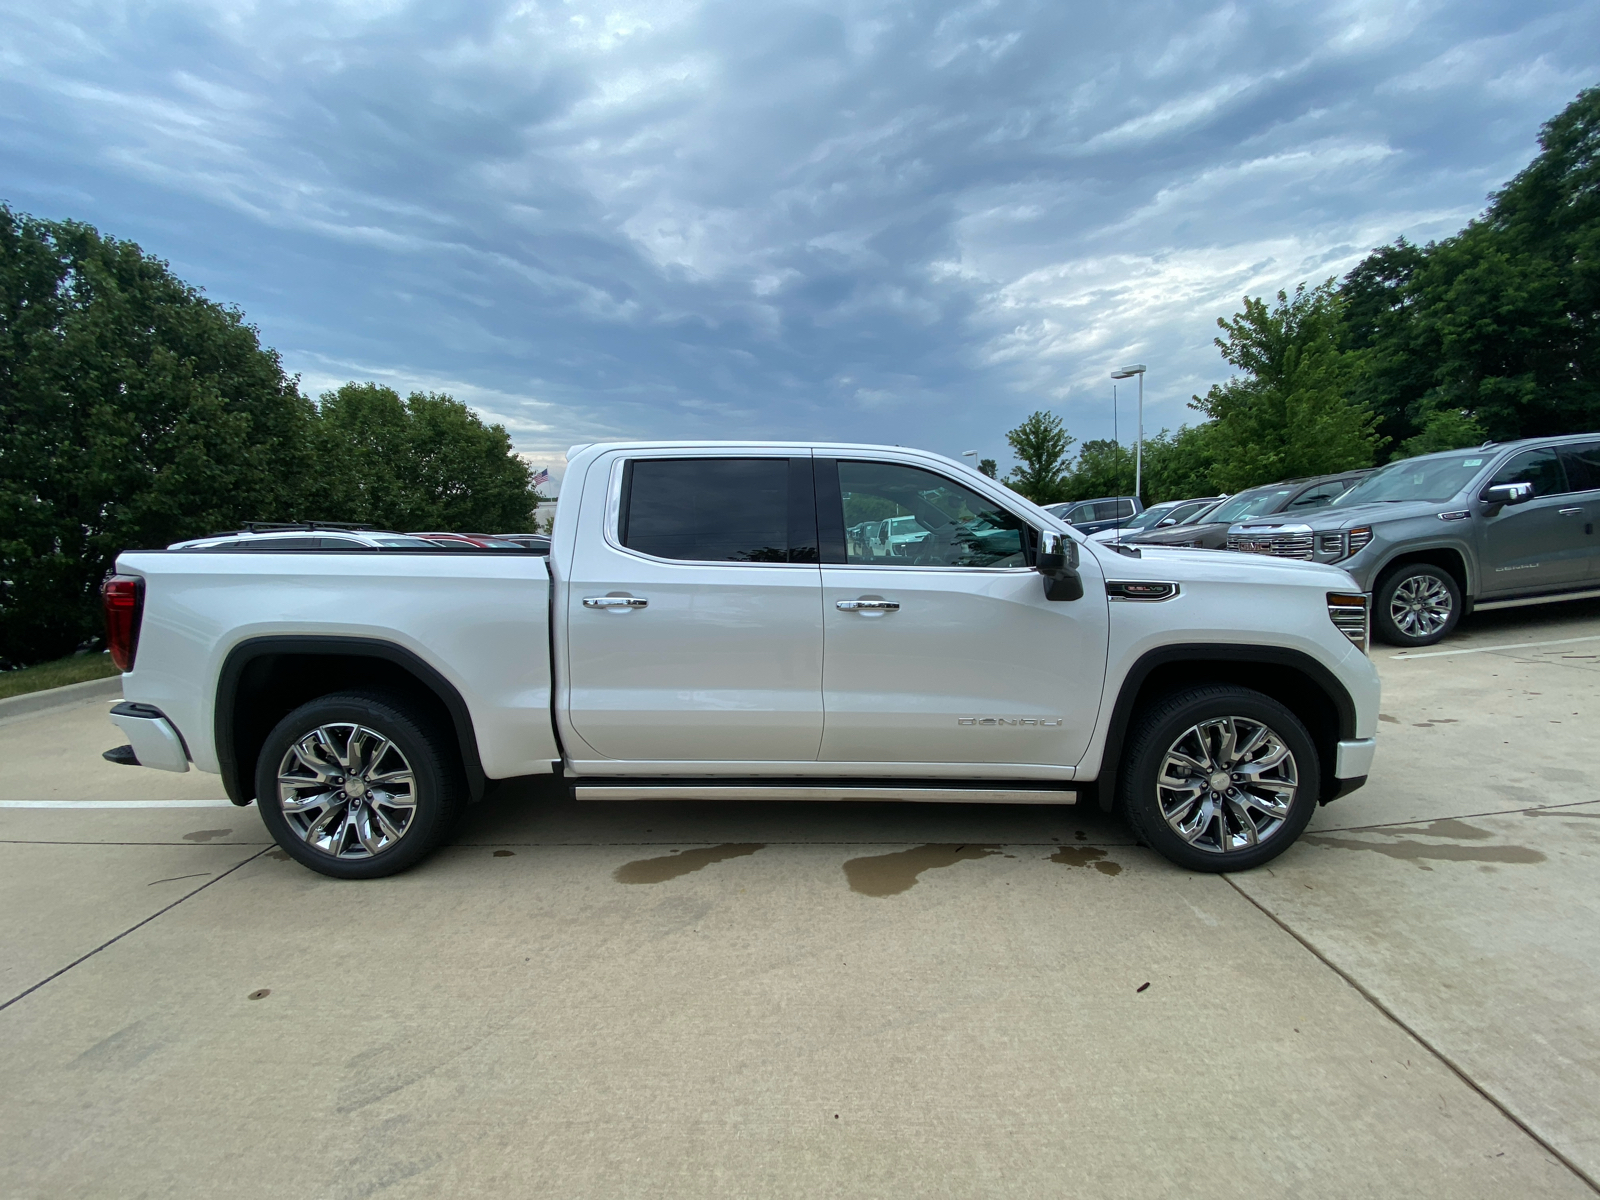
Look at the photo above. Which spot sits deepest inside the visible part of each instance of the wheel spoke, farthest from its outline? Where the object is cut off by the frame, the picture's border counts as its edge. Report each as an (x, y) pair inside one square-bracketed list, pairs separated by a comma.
[(1250, 744), (297, 804), (315, 765), (386, 825), (1274, 806), (364, 831), (332, 747), (1247, 825)]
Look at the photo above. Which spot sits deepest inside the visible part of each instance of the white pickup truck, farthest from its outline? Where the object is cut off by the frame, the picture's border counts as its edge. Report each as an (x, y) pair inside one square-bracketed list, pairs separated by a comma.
[(703, 627)]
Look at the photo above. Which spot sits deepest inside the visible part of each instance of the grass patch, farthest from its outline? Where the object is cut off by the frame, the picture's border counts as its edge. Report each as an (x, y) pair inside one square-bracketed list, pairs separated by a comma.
[(78, 669)]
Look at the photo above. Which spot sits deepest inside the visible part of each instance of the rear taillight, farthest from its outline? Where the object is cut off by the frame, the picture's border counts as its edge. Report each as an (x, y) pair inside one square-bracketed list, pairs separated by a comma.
[(122, 596)]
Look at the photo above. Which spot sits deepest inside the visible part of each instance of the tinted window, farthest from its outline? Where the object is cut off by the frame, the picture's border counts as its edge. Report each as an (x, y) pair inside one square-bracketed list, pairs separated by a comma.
[(1582, 461), (1246, 505), (1539, 467), (1124, 508), (289, 543), (932, 522), (719, 509)]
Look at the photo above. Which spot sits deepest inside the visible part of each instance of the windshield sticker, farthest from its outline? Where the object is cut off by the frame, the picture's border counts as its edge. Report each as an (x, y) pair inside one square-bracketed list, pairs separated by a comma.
[(1472, 462)]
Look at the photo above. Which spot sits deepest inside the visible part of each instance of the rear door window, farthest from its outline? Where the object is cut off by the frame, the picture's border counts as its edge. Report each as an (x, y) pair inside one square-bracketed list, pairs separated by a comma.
[(1582, 461), (1539, 467), (744, 510)]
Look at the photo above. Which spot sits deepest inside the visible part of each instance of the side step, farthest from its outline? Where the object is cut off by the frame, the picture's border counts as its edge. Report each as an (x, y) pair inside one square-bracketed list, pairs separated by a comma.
[(876, 790), (1525, 601)]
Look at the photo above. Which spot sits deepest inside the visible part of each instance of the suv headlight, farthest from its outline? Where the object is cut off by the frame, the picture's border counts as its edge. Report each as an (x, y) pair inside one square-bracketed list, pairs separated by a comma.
[(1331, 543), (1348, 612)]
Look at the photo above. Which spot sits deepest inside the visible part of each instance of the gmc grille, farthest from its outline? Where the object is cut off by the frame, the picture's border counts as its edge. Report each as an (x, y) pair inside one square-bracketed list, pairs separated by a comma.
[(1279, 545)]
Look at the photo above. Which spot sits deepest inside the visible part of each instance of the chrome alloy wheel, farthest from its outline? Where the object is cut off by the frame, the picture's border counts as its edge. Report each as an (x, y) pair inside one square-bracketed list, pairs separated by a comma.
[(1421, 606), (1227, 784), (346, 790)]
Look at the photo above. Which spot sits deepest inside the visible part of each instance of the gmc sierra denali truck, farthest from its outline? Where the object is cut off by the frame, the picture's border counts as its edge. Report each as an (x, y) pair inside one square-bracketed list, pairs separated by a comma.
[(1439, 535), (704, 627)]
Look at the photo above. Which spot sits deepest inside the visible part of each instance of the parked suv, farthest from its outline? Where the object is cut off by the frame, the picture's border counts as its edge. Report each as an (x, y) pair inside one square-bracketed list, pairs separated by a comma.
[(1436, 536), (1210, 530)]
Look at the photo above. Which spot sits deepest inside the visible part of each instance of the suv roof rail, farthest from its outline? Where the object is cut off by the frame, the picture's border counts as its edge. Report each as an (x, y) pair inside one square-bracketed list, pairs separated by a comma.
[(306, 526), (1486, 445)]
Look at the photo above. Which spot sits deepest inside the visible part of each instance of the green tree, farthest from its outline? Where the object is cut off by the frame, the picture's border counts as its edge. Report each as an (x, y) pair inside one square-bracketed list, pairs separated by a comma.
[(1287, 414), (1499, 324), (133, 413), (427, 462), (1102, 468), (987, 466), (1041, 442)]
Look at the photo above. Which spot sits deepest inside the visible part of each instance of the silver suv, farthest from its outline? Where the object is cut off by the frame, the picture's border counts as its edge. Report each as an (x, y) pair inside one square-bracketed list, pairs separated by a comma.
[(1443, 534)]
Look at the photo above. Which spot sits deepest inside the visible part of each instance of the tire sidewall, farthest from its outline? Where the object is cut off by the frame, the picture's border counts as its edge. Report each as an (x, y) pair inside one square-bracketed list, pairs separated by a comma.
[(1166, 721), (435, 786), (1383, 624)]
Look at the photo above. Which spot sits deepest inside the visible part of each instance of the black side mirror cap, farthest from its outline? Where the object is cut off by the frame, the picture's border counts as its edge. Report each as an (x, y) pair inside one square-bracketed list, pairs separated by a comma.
[(1507, 493), (1057, 562)]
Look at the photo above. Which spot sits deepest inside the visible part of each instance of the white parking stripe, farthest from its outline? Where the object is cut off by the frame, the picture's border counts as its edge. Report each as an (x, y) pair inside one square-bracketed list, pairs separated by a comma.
[(116, 804), (1486, 649)]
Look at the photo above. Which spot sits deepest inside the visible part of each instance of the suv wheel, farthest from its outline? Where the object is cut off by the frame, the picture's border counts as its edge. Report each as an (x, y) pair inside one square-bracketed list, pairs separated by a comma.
[(1416, 605), (358, 785), (1219, 778)]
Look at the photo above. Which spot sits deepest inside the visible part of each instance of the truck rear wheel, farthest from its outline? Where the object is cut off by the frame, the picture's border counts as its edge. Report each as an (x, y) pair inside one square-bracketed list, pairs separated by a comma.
[(1416, 605), (358, 785), (1219, 778)]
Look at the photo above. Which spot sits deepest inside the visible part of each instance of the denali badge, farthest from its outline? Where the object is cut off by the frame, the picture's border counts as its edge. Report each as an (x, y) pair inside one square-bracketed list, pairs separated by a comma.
[(1036, 722)]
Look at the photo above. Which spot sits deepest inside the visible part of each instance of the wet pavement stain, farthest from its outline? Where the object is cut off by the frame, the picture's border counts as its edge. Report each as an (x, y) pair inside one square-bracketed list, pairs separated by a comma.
[(1422, 852), (671, 866), (1086, 856), (891, 874), (206, 835), (1447, 827), (279, 855), (1558, 812)]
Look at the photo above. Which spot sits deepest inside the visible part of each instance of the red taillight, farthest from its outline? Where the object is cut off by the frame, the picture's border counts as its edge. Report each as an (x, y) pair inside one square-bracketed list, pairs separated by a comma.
[(123, 599)]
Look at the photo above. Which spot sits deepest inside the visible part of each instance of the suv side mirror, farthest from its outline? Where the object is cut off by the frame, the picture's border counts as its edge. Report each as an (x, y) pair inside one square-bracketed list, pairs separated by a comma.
[(1507, 493), (1057, 562)]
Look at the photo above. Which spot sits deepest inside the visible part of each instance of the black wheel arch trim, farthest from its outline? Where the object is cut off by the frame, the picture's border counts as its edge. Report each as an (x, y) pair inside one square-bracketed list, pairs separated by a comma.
[(1105, 785), (1469, 566), (240, 789)]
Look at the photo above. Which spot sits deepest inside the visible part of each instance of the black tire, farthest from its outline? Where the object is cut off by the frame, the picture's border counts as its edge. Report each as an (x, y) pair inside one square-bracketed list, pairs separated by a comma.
[(1424, 589), (1169, 726), (433, 781)]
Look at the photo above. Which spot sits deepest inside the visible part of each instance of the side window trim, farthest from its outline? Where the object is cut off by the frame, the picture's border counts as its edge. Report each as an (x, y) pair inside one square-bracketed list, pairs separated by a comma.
[(830, 511)]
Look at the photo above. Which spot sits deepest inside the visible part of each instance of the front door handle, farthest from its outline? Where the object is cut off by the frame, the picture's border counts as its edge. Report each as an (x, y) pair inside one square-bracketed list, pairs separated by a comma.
[(1569, 512), (615, 602), (868, 605)]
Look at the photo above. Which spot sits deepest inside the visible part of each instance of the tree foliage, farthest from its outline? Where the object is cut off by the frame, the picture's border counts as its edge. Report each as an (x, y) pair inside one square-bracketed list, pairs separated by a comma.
[(1287, 413), (135, 413), (1041, 443), (1497, 329)]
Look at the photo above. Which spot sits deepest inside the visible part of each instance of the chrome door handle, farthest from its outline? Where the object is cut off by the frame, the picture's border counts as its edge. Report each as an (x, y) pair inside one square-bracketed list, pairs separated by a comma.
[(867, 605), (1569, 512), (615, 602)]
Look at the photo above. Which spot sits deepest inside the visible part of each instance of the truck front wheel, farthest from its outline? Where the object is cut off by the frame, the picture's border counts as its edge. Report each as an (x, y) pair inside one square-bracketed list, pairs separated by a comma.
[(1219, 778), (1416, 605), (358, 785)]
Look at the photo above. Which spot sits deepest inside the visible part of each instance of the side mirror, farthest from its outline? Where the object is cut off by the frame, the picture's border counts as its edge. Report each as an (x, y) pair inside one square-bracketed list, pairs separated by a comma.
[(1058, 564), (1165, 521), (1507, 493)]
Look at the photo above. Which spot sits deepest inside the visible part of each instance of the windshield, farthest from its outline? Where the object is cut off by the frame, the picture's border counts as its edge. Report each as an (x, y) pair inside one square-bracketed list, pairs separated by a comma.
[(1435, 479), (1149, 517), (1247, 505)]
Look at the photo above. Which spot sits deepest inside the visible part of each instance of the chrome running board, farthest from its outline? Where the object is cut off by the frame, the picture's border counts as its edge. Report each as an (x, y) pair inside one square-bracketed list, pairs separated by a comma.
[(1524, 601), (582, 790)]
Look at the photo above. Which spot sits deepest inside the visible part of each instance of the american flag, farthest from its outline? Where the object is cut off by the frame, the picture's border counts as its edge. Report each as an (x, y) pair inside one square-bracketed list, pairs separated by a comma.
[(542, 475)]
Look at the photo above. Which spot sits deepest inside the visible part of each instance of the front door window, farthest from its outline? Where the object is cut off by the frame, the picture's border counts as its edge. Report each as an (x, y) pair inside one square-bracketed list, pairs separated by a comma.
[(897, 516)]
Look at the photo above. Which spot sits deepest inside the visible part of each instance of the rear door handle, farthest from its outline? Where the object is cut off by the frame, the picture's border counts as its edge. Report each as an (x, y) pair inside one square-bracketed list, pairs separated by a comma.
[(615, 602), (868, 605), (1569, 512)]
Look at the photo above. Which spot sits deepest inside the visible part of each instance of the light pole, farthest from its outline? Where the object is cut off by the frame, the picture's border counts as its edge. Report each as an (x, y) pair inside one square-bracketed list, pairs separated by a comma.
[(1128, 372)]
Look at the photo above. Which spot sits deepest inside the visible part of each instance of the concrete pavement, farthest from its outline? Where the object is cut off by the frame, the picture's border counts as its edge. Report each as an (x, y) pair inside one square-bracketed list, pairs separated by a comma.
[(723, 999)]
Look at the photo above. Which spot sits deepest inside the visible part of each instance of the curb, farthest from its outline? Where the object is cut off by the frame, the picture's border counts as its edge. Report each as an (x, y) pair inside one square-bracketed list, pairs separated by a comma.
[(73, 693)]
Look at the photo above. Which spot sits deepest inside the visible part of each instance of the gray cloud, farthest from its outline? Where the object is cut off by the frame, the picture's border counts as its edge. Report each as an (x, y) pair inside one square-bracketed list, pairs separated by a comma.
[(893, 222)]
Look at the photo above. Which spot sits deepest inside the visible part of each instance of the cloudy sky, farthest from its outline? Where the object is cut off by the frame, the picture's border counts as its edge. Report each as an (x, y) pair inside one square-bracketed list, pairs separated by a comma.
[(883, 221)]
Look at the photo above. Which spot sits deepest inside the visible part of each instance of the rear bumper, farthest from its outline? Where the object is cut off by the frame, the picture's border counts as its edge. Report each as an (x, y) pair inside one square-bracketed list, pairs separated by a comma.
[(155, 740)]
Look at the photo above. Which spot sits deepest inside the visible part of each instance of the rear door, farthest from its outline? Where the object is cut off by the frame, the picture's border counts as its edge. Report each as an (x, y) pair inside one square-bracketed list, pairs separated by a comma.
[(694, 624), (1540, 543), (949, 652), (1582, 463)]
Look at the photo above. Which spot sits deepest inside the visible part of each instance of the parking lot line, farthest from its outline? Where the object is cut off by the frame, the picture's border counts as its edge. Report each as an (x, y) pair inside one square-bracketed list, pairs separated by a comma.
[(1487, 649), (117, 804)]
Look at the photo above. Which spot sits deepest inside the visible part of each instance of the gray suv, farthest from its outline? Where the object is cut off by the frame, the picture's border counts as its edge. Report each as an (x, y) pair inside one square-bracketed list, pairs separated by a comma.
[(1439, 535)]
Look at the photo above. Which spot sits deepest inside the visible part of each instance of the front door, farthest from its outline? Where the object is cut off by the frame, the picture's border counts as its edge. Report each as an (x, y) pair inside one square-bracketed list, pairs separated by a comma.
[(941, 646), (694, 625), (1538, 544)]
